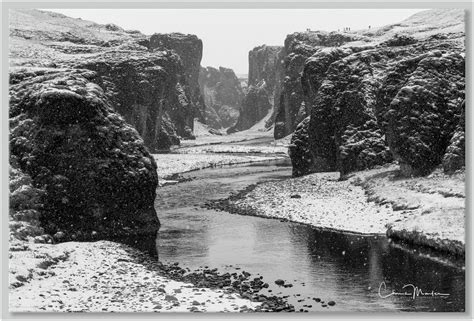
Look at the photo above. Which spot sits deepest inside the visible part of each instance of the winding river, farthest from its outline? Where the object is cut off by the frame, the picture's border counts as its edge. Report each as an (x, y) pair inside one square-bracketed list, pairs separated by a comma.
[(358, 272)]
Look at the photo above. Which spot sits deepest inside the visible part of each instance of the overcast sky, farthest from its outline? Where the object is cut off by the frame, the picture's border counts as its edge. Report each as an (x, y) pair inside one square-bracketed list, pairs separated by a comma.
[(229, 34)]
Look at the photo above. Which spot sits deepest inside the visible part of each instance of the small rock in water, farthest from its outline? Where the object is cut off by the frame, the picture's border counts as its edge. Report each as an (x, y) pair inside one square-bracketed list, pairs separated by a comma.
[(331, 303), (279, 282)]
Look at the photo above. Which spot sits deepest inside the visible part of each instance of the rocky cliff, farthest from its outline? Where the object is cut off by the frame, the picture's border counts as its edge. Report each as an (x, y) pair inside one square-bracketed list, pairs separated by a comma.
[(263, 90), (291, 108), (189, 48), (223, 96), (85, 172), (399, 95), (152, 81)]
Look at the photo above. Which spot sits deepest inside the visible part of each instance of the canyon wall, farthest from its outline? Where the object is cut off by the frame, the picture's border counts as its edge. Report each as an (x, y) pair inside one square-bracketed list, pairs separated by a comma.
[(189, 49), (152, 81), (291, 108), (399, 96), (263, 90), (223, 96)]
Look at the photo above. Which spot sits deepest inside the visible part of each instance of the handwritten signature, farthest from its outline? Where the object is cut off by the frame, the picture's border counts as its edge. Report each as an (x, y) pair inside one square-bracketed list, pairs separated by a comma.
[(412, 291)]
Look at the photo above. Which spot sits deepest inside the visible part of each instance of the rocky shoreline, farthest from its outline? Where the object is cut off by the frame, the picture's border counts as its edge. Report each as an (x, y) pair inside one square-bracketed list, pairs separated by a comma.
[(369, 202), (105, 276)]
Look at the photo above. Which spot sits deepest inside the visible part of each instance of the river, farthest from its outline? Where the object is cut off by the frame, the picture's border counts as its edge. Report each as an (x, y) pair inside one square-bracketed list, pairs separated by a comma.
[(346, 268)]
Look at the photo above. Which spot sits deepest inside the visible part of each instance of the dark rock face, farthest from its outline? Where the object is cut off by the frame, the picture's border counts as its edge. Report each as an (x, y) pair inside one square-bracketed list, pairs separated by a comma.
[(386, 95), (222, 95), (369, 103), (422, 117), (292, 108), (344, 134), (256, 96), (299, 150), (455, 159), (148, 90), (189, 48), (25, 207), (99, 180), (264, 80)]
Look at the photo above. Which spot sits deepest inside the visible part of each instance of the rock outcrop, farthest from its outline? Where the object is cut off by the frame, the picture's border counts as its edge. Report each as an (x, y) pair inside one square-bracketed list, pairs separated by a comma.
[(223, 96), (422, 116), (397, 96), (291, 107), (90, 171), (263, 90), (151, 81), (148, 90), (189, 48)]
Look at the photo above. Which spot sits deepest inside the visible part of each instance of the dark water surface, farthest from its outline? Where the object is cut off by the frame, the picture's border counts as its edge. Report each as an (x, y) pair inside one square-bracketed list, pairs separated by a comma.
[(346, 268)]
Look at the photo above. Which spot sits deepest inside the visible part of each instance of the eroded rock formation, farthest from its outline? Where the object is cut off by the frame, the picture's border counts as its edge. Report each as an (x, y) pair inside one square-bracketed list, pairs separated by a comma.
[(92, 174), (189, 48), (263, 90), (291, 107), (223, 96)]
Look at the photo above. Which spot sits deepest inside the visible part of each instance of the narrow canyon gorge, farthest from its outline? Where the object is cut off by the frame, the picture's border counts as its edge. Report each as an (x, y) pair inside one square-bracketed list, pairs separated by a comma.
[(115, 135)]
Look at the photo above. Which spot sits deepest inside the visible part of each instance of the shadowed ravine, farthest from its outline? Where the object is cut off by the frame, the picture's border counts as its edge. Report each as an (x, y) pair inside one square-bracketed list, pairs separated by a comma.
[(345, 268)]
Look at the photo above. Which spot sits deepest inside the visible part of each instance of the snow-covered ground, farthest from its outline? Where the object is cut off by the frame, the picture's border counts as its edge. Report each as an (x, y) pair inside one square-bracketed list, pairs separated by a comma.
[(104, 276), (170, 164), (427, 211), (433, 207), (111, 277), (204, 137)]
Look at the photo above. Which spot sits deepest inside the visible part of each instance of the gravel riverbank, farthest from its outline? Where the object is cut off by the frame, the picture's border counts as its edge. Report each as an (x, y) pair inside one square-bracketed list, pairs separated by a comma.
[(105, 276), (420, 211)]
